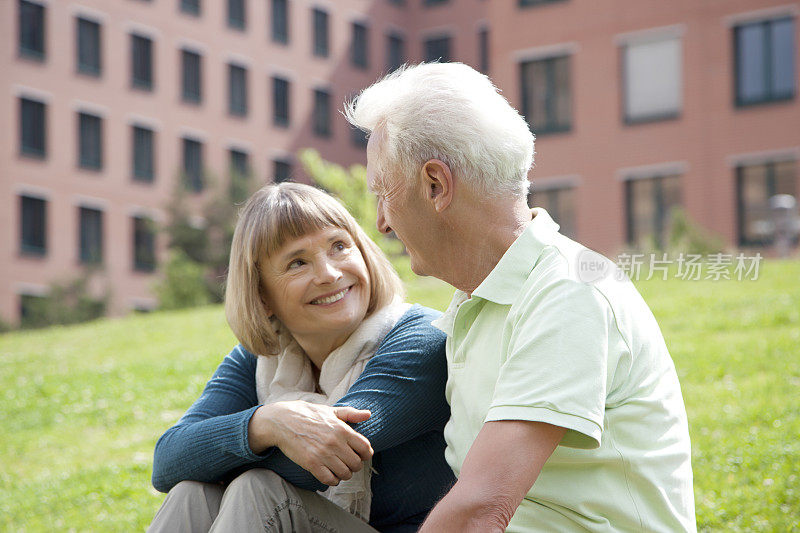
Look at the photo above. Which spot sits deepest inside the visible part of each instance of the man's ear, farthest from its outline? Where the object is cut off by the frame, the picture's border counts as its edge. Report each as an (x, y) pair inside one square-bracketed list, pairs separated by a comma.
[(438, 182)]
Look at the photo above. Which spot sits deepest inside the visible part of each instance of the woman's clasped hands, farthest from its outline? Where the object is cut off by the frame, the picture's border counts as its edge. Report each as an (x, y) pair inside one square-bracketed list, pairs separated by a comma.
[(316, 437)]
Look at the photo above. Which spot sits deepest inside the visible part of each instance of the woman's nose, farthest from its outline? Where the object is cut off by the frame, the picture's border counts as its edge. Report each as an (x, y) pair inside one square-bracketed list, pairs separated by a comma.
[(327, 271)]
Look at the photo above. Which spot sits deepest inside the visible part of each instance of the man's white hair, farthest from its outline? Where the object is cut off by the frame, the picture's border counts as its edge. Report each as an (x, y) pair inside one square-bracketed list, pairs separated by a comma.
[(450, 112)]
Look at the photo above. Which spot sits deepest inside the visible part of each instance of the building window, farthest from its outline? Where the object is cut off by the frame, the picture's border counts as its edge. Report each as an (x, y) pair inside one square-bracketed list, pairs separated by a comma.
[(239, 163), (433, 2), (652, 81), (559, 202), (193, 165), (32, 310), (31, 30), (91, 235), (90, 141), (359, 45), (483, 50), (320, 31), (88, 46), (322, 113), (649, 203), (395, 51), (237, 90), (765, 61), (32, 128), (191, 7), (33, 225), (437, 49), (280, 21), (280, 101), (358, 137), (191, 76), (143, 167), (237, 14), (283, 170), (755, 185), (141, 62), (144, 245), (546, 95)]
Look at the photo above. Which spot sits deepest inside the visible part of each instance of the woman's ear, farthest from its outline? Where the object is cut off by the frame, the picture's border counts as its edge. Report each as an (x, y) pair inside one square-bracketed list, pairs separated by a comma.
[(265, 303)]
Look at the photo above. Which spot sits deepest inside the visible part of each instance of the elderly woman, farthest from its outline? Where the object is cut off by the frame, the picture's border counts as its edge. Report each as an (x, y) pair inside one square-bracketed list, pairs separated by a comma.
[(329, 414)]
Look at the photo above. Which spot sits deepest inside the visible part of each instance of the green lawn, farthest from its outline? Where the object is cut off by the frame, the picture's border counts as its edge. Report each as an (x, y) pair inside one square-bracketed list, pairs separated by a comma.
[(81, 407)]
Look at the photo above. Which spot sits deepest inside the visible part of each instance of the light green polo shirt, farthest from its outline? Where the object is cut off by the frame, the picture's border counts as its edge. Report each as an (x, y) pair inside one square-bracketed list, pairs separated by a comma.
[(541, 339)]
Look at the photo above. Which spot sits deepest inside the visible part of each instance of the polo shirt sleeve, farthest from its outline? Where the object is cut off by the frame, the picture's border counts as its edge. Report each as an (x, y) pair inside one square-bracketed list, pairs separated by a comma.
[(555, 366)]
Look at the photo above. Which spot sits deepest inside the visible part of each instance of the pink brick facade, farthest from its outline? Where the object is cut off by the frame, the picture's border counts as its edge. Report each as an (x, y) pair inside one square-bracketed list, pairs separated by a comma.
[(703, 145)]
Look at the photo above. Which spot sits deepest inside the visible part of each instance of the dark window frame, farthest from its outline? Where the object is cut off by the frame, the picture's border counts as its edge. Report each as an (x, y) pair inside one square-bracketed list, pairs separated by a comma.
[(359, 45), (555, 197), (320, 31), (143, 158), (281, 102), (237, 90), (193, 168), (395, 50), (235, 20), (661, 211), (32, 226), (552, 123), (90, 236), (31, 44), (279, 17), (282, 170), (90, 141), (32, 136), (189, 94), (483, 49), (771, 94), (143, 244), (321, 116), (771, 184), (432, 45), (142, 66), (194, 9), (88, 55)]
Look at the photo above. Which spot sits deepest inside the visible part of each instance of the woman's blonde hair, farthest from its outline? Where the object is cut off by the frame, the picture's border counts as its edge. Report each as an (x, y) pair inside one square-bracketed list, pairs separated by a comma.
[(271, 217)]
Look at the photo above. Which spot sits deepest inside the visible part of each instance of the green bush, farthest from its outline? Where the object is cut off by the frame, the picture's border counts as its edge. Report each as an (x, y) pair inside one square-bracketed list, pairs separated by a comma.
[(183, 284), (67, 302)]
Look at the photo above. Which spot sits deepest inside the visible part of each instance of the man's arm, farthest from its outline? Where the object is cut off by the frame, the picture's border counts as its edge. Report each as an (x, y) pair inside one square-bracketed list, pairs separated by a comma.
[(500, 468)]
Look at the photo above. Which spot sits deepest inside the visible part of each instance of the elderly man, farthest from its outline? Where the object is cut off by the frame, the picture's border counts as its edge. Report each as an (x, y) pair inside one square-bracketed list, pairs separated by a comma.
[(566, 411)]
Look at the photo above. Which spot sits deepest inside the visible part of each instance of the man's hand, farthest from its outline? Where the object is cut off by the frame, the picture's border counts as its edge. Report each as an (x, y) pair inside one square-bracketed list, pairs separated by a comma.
[(316, 437), (500, 468)]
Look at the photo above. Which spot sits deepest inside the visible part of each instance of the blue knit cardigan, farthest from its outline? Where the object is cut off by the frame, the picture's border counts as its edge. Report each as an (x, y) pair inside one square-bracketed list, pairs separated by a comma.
[(402, 385)]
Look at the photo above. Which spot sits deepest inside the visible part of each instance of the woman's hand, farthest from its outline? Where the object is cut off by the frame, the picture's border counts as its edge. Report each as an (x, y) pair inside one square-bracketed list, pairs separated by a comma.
[(316, 437)]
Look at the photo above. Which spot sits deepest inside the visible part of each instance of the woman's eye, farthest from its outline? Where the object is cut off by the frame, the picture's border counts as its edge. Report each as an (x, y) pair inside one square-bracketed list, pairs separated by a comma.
[(296, 263), (340, 246)]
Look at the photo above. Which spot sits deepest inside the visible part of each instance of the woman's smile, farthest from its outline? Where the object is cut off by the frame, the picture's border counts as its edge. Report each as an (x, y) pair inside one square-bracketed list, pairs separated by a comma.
[(331, 298)]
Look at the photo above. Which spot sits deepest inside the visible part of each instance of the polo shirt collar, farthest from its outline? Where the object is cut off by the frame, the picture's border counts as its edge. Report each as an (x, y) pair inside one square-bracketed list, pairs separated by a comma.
[(503, 283)]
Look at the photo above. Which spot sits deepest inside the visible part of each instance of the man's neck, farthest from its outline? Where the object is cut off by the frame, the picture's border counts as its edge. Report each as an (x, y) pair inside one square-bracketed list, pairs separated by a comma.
[(483, 235)]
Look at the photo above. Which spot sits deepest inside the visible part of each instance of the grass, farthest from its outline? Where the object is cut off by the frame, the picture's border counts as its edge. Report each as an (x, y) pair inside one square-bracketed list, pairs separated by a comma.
[(82, 406)]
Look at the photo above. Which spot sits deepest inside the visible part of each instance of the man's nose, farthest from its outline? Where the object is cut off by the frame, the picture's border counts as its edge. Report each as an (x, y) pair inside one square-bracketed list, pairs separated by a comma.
[(383, 227)]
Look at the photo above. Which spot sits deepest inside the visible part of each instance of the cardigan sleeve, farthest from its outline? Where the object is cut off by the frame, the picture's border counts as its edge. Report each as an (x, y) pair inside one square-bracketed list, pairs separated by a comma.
[(210, 439)]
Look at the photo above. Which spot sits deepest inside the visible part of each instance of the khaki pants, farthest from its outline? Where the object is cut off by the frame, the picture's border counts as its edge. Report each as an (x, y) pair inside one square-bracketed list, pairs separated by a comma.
[(258, 500)]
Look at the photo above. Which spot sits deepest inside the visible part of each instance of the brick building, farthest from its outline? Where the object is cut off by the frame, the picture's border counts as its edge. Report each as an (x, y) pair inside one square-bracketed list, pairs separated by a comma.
[(638, 106)]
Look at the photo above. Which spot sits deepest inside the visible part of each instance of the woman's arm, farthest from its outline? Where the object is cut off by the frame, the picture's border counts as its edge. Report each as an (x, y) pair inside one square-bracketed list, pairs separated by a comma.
[(402, 386), (210, 439)]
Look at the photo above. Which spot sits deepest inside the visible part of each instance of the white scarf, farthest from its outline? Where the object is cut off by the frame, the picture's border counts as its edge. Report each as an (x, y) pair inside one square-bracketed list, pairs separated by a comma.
[(289, 376)]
